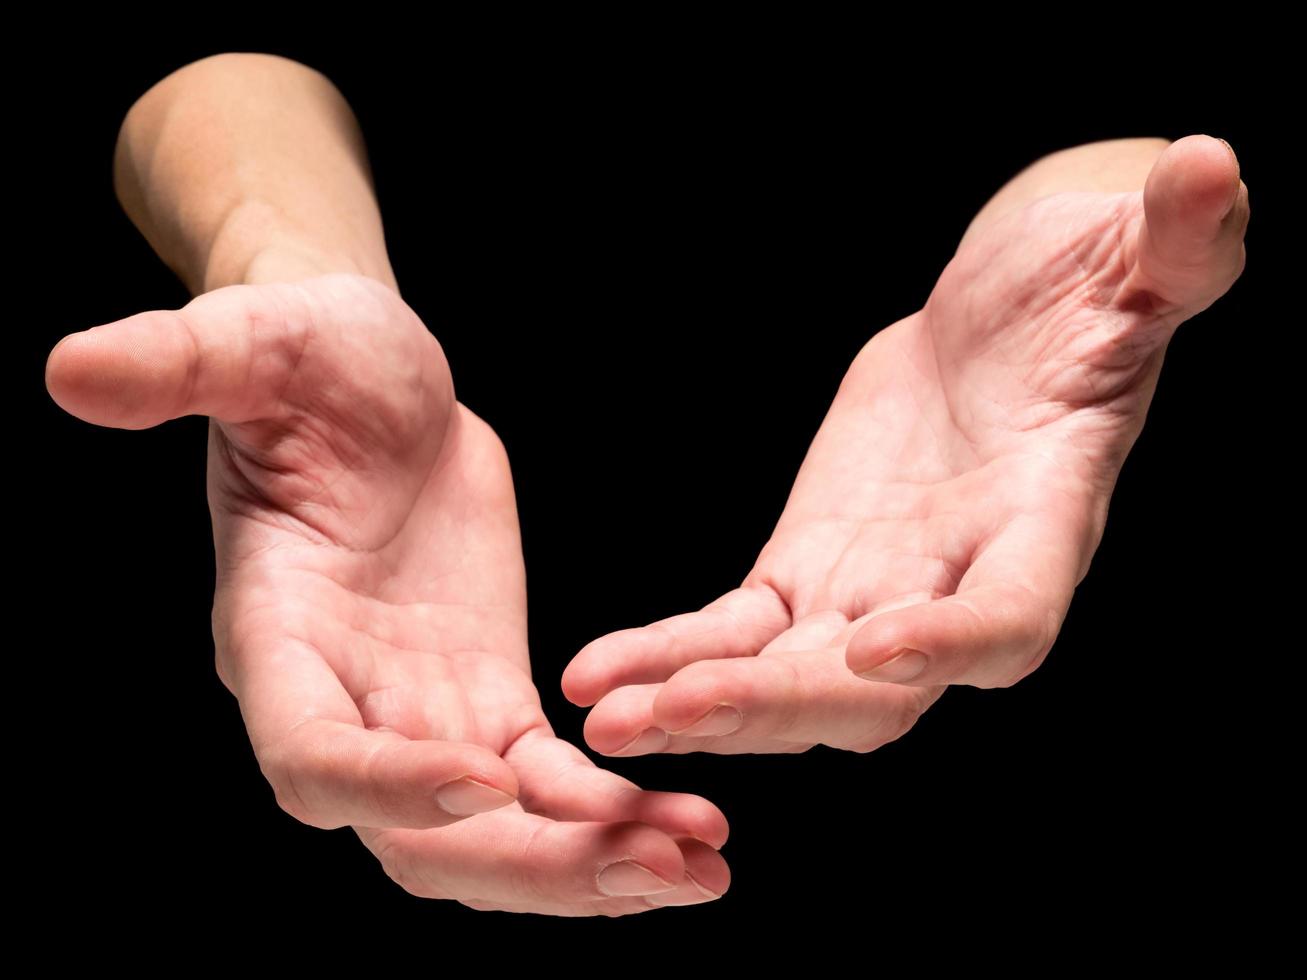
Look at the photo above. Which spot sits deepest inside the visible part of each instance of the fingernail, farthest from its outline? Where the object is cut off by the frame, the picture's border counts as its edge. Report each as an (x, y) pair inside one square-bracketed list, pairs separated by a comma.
[(629, 878), (722, 720), (649, 740), (689, 892), (707, 891), (907, 665), (464, 797), (1234, 198)]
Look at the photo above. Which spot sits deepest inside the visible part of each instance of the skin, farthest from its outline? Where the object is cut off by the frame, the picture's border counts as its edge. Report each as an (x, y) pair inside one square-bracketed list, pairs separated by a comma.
[(958, 487), (370, 609), (370, 612)]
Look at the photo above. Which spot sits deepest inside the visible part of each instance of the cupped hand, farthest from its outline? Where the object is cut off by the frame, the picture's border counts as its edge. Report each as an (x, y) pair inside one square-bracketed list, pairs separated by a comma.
[(956, 490), (370, 610)]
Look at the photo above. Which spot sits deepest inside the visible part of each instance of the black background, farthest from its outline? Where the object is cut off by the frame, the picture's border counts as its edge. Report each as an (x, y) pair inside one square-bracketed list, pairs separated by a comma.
[(649, 268)]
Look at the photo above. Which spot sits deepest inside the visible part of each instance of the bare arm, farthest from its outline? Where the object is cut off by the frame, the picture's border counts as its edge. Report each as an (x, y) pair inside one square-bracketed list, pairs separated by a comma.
[(250, 167), (369, 610)]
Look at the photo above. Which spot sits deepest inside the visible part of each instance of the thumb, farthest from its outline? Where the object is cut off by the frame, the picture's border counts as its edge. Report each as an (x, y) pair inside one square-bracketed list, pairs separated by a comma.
[(1196, 211), (227, 353), (996, 628)]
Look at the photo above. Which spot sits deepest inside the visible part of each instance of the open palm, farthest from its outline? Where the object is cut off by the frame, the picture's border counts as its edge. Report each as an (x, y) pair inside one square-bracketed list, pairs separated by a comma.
[(370, 612), (956, 490)]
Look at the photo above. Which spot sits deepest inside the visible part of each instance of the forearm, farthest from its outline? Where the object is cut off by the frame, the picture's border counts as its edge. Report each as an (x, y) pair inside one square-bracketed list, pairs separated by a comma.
[(248, 167), (1107, 165)]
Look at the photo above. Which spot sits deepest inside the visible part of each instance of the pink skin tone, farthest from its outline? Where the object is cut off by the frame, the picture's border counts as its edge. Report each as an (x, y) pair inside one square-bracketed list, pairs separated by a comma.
[(370, 612), (956, 490)]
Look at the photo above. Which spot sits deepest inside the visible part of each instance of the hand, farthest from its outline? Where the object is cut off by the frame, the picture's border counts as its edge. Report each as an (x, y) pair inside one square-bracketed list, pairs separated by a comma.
[(370, 610), (956, 490)]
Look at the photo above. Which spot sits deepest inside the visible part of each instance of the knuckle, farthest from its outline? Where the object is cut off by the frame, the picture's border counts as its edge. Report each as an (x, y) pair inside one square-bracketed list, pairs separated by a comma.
[(219, 630), (869, 743), (1012, 677), (1040, 642), (902, 723), (1240, 264), (1030, 624), (864, 746), (1027, 668), (283, 788), (287, 774), (895, 722), (908, 714), (1009, 679), (398, 864), (224, 674), (415, 885)]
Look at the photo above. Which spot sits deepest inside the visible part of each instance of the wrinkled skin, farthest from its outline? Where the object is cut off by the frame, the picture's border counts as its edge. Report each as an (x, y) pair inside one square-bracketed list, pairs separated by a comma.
[(370, 612), (956, 490)]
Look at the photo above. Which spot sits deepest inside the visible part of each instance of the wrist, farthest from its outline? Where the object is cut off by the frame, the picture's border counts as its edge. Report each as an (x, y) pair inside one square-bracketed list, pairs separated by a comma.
[(255, 245), (283, 262)]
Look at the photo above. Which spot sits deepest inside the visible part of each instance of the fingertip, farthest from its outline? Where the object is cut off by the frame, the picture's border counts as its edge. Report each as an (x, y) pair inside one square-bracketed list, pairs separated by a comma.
[(875, 644), (621, 723), (707, 878), (706, 869), (901, 667), (488, 768), (577, 685), (640, 860), (1234, 157), (907, 645), (66, 371), (651, 847), (649, 741), (718, 840), (466, 796), (714, 829), (54, 371), (122, 375), (688, 817), (1196, 175), (1239, 212), (460, 780), (1225, 177), (605, 736), (53, 356), (691, 694)]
